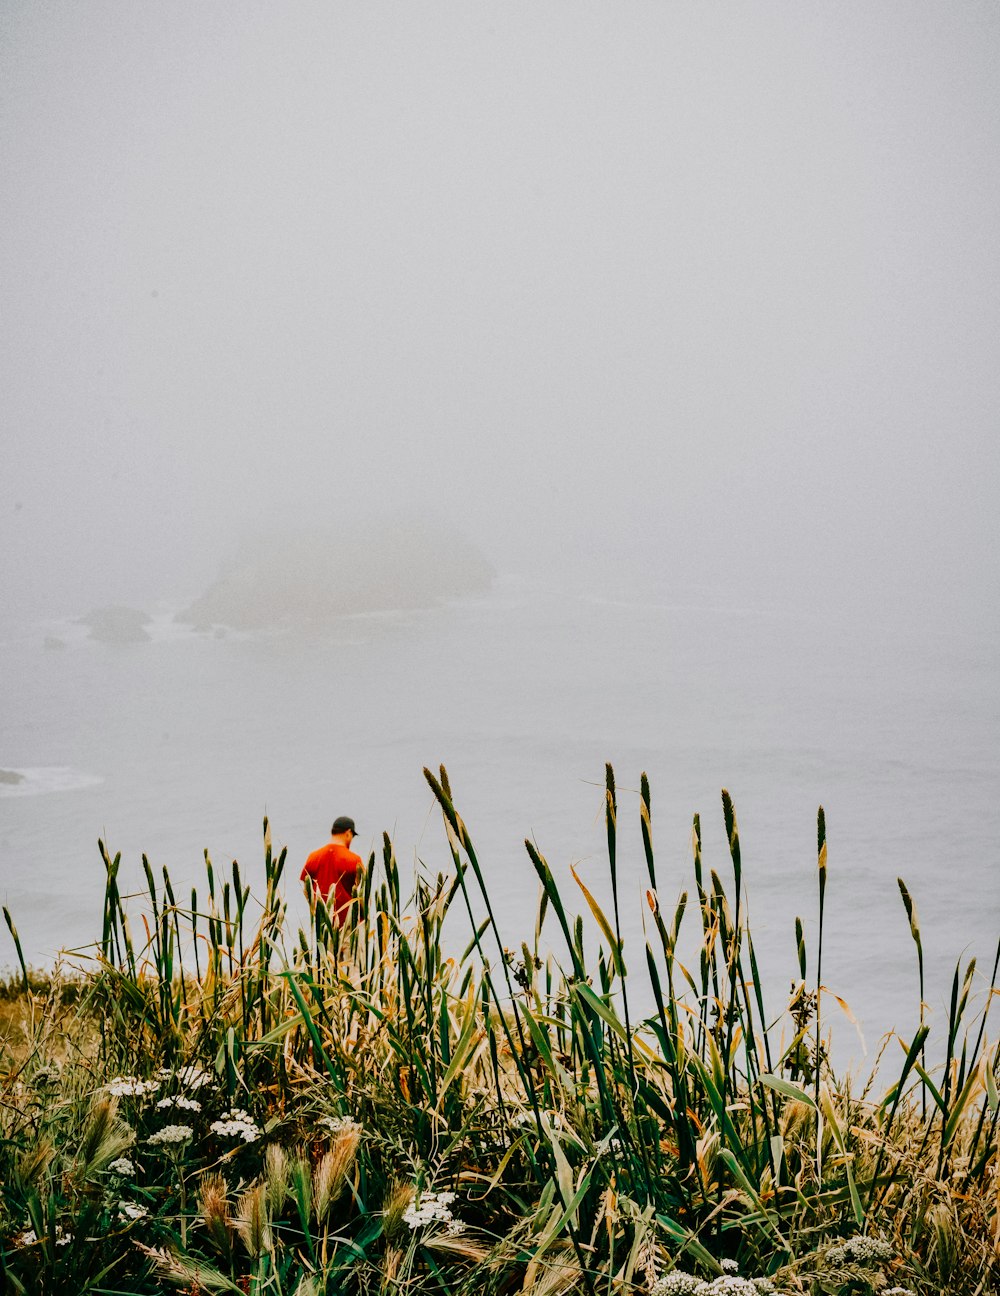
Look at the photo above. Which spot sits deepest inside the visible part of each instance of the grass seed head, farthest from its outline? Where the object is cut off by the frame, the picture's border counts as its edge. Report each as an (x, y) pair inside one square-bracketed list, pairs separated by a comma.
[(557, 1277), (277, 1174), (456, 1243), (331, 1173), (300, 1182), (797, 1118), (215, 1211), (252, 1221), (398, 1200), (198, 1276), (33, 1163), (104, 1137), (323, 1186)]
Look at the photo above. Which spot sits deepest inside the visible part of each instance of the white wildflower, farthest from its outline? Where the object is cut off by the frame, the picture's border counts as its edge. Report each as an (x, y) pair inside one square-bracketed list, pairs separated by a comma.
[(433, 1208), (679, 1283), (613, 1145), (62, 1239), (28, 1238), (896, 1291), (340, 1124), (675, 1283), (860, 1250), (131, 1087), (133, 1210), (178, 1100), (455, 1227), (171, 1134), (730, 1285), (236, 1124), (122, 1166)]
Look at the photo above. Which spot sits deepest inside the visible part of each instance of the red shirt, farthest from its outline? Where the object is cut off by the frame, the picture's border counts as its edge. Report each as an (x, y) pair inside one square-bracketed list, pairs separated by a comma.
[(333, 868)]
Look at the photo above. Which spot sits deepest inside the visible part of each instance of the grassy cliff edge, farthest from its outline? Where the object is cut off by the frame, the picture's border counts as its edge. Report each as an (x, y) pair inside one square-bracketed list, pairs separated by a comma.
[(220, 1103)]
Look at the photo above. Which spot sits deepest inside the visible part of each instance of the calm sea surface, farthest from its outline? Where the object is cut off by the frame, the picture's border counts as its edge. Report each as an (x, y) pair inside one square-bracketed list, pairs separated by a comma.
[(184, 743)]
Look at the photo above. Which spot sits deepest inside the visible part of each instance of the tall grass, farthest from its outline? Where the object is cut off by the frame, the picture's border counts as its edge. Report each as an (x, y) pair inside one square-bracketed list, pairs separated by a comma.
[(231, 1104)]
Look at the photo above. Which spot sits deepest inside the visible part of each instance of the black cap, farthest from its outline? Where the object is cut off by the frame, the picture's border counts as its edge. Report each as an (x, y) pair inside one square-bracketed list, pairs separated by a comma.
[(343, 824)]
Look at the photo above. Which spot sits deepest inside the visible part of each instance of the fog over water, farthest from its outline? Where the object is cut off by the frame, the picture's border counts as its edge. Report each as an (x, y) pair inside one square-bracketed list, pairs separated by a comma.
[(685, 316), (705, 289)]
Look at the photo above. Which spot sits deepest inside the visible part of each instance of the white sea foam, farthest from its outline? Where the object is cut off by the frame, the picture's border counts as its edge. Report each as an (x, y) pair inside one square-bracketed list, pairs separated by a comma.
[(39, 780)]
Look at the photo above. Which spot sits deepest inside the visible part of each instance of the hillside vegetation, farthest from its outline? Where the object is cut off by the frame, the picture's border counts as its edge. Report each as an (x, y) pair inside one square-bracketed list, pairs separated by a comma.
[(220, 1103)]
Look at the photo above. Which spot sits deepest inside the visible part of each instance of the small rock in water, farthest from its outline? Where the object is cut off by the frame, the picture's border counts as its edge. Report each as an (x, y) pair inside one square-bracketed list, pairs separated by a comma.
[(117, 625), (10, 776)]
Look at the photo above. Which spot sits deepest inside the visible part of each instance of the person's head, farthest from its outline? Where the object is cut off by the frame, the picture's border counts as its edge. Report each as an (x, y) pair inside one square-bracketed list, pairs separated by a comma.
[(343, 830)]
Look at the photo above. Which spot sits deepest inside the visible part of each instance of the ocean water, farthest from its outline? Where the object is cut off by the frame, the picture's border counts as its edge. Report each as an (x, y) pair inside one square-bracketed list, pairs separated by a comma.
[(182, 744)]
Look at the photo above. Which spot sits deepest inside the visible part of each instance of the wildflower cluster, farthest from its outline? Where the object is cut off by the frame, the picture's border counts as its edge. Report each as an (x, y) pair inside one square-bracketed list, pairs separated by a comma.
[(131, 1087), (133, 1210), (29, 1237), (860, 1250), (731, 1285), (434, 1207), (122, 1166), (178, 1100), (171, 1134), (236, 1124), (340, 1124), (678, 1283)]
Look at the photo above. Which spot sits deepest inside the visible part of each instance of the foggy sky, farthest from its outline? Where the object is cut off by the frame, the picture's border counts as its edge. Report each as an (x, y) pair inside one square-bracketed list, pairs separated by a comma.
[(700, 293)]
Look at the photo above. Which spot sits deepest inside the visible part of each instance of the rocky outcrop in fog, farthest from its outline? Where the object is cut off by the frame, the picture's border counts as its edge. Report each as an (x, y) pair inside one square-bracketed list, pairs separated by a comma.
[(117, 625), (314, 576)]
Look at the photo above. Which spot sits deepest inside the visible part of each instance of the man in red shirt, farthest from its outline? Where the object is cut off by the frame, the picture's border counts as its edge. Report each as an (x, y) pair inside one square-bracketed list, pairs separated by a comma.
[(334, 869)]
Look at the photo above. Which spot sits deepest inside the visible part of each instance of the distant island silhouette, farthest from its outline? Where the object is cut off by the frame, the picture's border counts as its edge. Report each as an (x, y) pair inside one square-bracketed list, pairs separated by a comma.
[(316, 575)]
